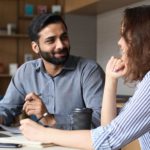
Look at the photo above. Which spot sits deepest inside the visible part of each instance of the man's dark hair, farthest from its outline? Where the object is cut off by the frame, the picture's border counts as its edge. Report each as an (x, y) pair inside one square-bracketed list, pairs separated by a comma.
[(40, 22)]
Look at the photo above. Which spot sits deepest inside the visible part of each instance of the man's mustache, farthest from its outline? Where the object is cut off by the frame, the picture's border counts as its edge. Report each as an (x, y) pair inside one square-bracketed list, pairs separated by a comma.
[(61, 51)]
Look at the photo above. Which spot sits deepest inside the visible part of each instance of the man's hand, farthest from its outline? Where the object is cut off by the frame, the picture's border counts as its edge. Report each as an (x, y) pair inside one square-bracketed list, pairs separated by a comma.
[(33, 105)]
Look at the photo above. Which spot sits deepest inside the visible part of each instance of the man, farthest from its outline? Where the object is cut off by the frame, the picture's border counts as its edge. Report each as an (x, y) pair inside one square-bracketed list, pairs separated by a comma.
[(57, 82)]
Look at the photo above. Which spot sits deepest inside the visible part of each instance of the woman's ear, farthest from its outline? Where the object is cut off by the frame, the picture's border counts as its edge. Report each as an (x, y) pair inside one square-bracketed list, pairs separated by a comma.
[(35, 47)]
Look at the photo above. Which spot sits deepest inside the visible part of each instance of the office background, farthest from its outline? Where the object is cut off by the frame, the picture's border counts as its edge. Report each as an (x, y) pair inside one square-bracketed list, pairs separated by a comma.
[(93, 36), (96, 37)]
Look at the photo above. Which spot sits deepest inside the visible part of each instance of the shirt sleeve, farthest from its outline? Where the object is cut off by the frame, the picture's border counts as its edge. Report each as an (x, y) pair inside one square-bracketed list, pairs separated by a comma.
[(132, 122), (11, 104), (93, 86)]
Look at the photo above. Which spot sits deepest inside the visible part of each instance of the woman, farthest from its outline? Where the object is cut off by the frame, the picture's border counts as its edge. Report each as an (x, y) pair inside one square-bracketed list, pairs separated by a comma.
[(134, 119)]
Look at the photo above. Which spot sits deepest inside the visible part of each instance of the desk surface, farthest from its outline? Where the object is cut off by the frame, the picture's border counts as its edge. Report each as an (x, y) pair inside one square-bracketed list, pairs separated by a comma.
[(30, 147), (35, 148)]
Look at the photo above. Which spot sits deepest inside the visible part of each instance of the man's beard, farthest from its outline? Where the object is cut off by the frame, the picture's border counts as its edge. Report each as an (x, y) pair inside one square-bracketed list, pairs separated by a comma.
[(50, 56)]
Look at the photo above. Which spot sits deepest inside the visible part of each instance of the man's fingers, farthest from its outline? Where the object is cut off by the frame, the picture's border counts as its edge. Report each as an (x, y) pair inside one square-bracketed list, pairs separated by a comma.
[(26, 104), (31, 96)]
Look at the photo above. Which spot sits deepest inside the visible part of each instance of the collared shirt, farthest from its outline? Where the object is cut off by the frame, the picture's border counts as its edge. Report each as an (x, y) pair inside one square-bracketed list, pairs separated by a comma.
[(132, 122), (79, 85)]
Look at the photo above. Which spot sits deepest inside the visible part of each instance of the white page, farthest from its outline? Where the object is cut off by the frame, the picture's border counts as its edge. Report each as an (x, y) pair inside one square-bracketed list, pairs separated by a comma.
[(14, 130), (20, 139)]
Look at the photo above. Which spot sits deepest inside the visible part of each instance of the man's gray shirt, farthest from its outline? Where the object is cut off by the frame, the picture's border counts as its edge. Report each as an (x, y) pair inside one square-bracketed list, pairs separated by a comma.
[(79, 85)]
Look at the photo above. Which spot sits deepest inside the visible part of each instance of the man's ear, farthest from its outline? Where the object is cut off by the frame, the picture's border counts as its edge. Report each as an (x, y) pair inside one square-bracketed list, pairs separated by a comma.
[(35, 47)]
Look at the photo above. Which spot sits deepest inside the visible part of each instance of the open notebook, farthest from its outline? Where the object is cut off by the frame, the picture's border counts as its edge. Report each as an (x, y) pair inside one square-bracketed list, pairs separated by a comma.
[(13, 135), (10, 129), (20, 139)]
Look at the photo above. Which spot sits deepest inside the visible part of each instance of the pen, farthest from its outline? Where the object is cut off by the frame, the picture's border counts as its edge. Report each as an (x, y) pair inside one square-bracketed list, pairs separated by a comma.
[(44, 115), (10, 145)]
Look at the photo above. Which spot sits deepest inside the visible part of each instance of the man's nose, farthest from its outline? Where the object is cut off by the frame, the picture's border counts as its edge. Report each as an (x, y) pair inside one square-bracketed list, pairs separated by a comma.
[(59, 44)]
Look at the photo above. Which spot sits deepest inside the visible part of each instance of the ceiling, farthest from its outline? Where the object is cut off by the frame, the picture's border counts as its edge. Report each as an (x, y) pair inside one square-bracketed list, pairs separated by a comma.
[(101, 6)]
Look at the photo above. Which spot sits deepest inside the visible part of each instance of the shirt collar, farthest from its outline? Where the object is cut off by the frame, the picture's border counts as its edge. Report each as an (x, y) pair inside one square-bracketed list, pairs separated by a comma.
[(71, 63), (39, 65)]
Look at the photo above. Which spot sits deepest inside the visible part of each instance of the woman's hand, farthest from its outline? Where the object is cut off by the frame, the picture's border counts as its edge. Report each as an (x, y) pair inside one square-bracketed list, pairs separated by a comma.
[(77, 139), (33, 131), (116, 67)]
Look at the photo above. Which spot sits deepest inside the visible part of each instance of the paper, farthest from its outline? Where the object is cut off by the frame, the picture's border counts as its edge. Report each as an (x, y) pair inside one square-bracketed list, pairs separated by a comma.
[(13, 135), (20, 139), (14, 130)]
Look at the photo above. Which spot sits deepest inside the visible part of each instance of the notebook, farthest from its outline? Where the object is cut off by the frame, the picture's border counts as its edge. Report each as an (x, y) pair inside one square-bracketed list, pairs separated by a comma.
[(3, 135), (20, 139), (10, 129)]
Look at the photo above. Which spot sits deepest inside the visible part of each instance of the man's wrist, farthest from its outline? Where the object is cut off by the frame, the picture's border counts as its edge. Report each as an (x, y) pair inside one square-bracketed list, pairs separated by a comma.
[(49, 120)]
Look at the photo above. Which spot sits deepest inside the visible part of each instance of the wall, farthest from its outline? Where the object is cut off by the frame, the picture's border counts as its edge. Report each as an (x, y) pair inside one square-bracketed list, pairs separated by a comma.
[(82, 33), (96, 37), (108, 25)]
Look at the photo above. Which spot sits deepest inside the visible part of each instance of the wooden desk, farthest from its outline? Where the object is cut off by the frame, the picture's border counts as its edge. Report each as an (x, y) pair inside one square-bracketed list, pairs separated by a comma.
[(132, 146)]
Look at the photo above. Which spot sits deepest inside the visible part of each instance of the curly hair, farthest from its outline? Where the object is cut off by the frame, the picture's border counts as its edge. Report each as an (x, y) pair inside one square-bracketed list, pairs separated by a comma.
[(136, 32)]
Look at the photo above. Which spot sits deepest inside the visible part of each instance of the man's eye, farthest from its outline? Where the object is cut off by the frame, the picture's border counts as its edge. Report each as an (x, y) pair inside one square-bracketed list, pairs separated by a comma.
[(64, 37), (50, 41)]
